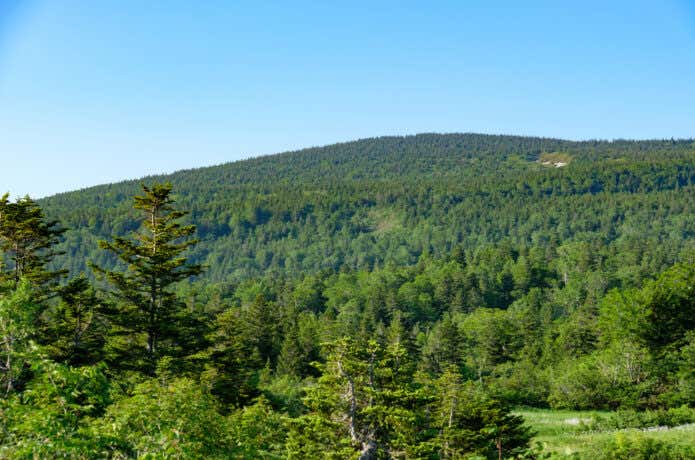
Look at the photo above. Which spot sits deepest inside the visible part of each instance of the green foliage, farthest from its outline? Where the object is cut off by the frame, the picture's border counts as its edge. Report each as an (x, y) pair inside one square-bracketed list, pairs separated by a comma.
[(49, 418), (365, 403), (637, 447), (617, 376), (448, 278), (623, 316), (231, 363), (387, 201), (257, 431), (369, 404), (492, 336), (521, 382), (622, 419), (284, 392), (176, 420), (27, 241), (76, 331), (575, 434), (670, 306), (145, 318), (443, 347), (470, 423), (686, 372), (18, 316)]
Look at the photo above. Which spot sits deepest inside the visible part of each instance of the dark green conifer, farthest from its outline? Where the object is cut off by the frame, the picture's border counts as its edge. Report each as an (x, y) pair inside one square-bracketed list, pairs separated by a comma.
[(76, 331), (147, 311), (27, 241)]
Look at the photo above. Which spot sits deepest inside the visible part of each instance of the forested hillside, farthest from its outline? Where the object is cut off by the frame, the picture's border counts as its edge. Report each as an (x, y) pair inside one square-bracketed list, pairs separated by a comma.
[(375, 202), (391, 298)]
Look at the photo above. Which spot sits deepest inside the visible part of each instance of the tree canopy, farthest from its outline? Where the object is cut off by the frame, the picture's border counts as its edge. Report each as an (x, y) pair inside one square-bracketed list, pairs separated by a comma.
[(390, 298)]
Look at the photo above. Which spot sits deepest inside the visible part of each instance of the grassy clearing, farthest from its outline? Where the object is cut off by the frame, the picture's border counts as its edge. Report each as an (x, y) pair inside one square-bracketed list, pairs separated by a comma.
[(555, 159), (565, 433), (384, 220)]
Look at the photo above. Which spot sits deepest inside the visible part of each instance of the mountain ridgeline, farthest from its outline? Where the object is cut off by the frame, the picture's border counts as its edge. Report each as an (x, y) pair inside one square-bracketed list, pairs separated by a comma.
[(388, 201)]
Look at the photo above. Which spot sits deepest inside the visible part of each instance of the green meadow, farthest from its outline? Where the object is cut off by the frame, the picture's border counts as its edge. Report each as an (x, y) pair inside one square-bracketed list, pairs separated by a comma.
[(569, 434)]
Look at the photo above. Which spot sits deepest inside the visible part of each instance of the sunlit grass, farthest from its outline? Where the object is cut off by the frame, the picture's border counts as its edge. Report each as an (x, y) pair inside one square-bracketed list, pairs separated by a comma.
[(563, 432)]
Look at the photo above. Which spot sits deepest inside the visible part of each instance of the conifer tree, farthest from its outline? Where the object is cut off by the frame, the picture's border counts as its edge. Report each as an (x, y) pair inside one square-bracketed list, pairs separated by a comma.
[(148, 310), (27, 241), (260, 326), (231, 362), (471, 423), (365, 405), (76, 331)]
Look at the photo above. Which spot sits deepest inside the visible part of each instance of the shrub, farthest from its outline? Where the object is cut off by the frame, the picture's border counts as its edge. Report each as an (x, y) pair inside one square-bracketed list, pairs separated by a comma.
[(651, 418), (639, 447), (619, 376), (179, 420)]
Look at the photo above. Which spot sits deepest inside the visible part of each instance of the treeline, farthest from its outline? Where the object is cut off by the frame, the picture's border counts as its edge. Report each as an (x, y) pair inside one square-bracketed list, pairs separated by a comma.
[(418, 361), (386, 201)]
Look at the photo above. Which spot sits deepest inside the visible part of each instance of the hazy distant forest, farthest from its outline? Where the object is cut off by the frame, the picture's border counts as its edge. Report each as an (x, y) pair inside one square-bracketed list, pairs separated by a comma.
[(389, 298)]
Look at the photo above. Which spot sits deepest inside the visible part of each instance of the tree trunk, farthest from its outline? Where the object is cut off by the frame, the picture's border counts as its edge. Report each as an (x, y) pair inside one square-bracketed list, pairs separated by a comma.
[(353, 402), (368, 450)]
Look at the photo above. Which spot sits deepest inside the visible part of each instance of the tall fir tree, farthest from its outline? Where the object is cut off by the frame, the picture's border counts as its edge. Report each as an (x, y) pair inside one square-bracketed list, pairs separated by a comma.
[(147, 313)]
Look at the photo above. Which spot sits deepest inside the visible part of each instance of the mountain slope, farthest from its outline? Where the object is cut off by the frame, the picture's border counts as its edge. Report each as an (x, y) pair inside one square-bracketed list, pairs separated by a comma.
[(388, 200)]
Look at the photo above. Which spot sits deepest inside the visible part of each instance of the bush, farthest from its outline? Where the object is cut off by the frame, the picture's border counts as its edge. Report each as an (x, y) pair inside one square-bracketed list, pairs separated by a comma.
[(639, 447), (619, 376), (47, 419), (650, 418), (257, 431), (520, 384), (179, 420)]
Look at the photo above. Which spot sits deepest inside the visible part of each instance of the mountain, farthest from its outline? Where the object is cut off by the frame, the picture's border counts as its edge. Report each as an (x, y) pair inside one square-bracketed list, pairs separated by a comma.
[(388, 200)]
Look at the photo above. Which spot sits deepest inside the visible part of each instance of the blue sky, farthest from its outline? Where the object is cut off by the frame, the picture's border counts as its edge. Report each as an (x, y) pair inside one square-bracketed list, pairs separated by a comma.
[(99, 91)]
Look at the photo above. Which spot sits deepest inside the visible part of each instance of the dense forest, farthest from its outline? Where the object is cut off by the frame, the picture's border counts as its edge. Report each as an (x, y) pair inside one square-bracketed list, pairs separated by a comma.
[(389, 298), (387, 201)]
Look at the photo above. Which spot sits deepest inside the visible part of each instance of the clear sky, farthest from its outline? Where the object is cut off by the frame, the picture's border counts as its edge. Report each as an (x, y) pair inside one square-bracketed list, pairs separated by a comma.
[(99, 91)]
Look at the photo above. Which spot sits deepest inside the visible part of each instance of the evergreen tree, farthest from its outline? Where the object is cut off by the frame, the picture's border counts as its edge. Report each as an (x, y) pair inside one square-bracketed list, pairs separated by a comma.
[(76, 330), (365, 405), (300, 347), (231, 362), (147, 310), (260, 328), (670, 307), (470, 423), (27, 240), (443, 347)]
